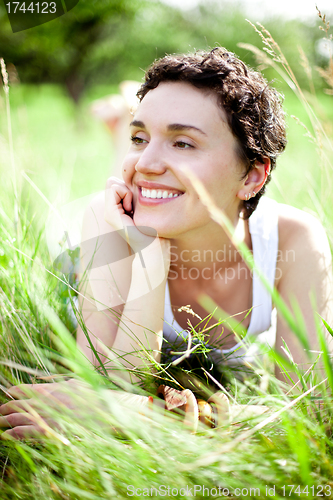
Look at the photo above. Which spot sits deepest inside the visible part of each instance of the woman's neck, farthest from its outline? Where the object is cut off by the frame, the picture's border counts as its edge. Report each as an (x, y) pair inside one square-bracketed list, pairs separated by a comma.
[(204, 250)]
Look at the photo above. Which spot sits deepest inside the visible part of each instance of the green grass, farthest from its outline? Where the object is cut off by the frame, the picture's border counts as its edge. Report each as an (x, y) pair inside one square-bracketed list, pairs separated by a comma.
[(299, 172), (98, 455)]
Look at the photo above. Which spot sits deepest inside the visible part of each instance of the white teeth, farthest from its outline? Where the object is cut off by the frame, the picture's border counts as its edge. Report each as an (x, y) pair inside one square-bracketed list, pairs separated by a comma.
[(146, 193), (153, 193)]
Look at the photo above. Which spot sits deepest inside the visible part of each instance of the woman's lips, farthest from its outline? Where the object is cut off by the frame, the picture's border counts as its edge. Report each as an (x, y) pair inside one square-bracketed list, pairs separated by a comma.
[(157, 186)]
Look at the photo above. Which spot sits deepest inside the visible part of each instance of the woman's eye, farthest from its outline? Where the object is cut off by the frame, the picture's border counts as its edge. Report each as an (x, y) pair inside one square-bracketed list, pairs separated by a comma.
[(183, 145), (137, 140)]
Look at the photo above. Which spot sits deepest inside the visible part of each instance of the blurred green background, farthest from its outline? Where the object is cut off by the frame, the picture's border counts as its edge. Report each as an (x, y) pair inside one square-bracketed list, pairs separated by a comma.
[(57, 69)]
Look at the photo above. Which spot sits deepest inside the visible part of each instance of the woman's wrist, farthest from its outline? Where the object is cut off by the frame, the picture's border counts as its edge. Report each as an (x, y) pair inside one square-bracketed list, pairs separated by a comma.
[(154, 257), (148, 273)]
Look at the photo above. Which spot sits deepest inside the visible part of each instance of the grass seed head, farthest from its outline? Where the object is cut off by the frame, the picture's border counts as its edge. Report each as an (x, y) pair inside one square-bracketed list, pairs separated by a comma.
[(4, 76)]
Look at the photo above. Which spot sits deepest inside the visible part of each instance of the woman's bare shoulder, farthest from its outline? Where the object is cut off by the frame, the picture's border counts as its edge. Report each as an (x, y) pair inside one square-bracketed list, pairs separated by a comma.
[(300, 230)]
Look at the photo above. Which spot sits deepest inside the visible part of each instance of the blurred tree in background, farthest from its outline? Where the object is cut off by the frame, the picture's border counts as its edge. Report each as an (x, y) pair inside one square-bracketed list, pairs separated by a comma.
[(62, 51), (106, 41)]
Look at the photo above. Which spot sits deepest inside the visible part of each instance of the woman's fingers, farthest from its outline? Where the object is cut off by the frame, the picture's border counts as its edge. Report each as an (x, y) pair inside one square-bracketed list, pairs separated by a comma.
[(26, 391), (52, 397), (20, 391), (23, 432), (16, 420), (21, 423), (29, 418), (127, 200), (14, 407), (118, 200)]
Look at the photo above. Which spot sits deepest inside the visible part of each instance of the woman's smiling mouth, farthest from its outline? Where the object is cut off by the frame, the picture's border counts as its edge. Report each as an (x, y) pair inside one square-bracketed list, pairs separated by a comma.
[(156, 196), (151, 193), (158, 193)]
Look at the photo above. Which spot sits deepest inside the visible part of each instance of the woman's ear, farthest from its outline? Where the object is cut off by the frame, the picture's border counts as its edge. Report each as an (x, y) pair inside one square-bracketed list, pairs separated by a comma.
[(255, 179)]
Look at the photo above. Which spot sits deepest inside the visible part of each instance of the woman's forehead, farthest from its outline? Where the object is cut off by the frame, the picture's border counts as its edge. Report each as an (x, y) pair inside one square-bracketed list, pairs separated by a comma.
[(181, 100)]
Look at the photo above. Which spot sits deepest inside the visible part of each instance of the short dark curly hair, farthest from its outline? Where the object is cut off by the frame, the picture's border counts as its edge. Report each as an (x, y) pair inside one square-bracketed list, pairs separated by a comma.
[(253, 109)]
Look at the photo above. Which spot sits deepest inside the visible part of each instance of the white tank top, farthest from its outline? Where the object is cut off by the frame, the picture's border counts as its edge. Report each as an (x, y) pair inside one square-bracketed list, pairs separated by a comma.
[(263, 227)]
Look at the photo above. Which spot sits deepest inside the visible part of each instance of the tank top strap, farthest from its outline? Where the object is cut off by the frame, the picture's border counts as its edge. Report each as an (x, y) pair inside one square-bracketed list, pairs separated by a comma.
[(263, 227)]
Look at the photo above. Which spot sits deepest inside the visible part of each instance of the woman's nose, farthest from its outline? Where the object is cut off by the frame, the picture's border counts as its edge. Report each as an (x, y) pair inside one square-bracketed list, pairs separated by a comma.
[(151, 161)]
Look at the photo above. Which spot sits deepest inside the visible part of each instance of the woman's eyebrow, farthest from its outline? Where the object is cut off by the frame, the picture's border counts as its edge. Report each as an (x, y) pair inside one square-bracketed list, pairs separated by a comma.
[(178, 127), (137, 123), (173, 127)]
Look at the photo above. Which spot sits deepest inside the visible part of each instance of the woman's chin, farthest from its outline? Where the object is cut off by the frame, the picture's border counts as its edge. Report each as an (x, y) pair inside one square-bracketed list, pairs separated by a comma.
[(151, 227)]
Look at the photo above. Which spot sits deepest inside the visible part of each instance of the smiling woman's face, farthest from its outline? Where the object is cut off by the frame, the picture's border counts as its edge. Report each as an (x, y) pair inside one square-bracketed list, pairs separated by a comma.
[(177, 125)]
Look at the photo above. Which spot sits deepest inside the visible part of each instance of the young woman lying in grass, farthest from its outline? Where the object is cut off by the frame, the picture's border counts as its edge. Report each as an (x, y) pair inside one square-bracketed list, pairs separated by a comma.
[(210, 118)]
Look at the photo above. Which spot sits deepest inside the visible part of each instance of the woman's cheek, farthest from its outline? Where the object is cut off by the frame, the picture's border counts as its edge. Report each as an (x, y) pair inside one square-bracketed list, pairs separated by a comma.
[(128, 171), (125, 175)]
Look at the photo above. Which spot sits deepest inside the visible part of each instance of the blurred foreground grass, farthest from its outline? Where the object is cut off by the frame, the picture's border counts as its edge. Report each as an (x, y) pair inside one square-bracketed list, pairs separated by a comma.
[(68, 155)]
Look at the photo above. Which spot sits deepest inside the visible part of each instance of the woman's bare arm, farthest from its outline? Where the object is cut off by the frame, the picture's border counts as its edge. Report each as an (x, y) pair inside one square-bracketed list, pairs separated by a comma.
[(123, 303)]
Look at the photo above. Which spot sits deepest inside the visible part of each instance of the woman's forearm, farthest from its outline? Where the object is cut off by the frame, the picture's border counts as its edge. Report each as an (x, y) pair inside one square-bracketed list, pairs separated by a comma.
[(139, 336)]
